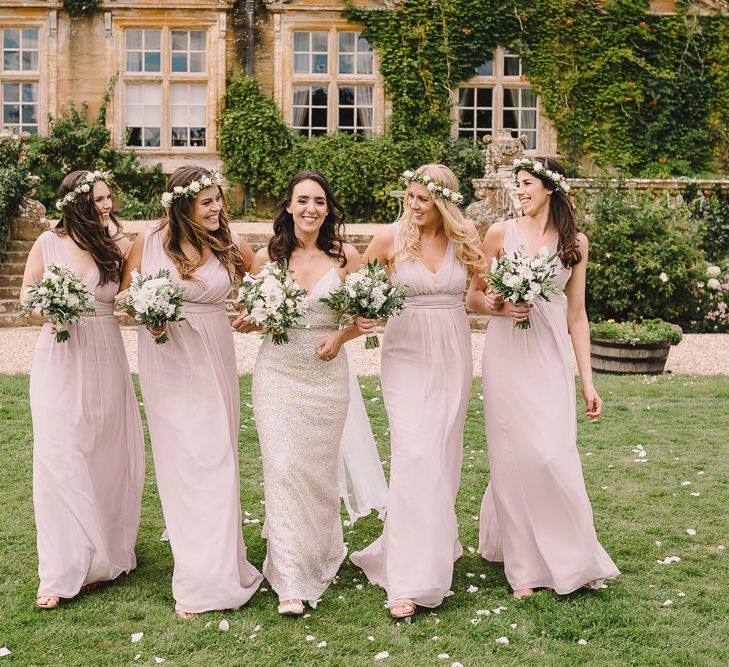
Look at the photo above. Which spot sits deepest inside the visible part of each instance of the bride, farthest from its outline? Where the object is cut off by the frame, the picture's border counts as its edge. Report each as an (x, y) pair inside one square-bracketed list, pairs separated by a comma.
[(301, 397)]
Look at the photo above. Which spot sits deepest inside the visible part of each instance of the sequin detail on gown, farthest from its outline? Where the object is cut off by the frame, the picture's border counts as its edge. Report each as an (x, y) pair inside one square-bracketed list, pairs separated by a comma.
[(535, 514), (300, 406)]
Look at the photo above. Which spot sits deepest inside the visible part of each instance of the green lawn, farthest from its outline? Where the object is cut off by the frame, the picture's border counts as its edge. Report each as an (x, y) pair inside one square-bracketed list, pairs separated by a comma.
[(683, 424)]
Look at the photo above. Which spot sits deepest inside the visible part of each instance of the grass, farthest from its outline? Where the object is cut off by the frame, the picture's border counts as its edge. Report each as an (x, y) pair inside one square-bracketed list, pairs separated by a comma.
[(683, 424)]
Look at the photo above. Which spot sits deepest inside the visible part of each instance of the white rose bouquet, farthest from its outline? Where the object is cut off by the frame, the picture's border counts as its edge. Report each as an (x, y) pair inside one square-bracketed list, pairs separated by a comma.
[(273, 299), (61, 296), (153, 301), (368, 293), (521, 279)]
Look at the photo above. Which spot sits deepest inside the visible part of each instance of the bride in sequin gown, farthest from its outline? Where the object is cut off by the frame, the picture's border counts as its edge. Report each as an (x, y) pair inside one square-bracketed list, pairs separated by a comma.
[(300, 400)]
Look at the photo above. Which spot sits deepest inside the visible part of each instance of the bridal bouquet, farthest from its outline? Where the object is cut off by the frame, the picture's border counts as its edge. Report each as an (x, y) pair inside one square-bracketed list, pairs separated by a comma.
[(61, 296), (153, 301), (521, 279), (273, 299), (369, 293)]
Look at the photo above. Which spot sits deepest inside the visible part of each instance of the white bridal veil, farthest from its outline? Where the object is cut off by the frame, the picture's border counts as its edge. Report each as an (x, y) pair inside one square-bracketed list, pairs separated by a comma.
[(362, 482)]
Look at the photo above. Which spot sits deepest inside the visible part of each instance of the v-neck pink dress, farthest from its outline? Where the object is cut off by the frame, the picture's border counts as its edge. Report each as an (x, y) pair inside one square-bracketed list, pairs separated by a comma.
[(192, 402), (536, 516), (88, 447), (427, 371)]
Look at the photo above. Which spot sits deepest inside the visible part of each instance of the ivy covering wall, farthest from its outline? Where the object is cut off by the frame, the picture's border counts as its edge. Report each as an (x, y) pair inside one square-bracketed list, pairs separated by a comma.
[(627, 90)]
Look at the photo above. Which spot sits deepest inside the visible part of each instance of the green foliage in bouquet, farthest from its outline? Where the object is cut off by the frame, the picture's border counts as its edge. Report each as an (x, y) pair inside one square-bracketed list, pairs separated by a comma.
[(645, 259), (646, 331)]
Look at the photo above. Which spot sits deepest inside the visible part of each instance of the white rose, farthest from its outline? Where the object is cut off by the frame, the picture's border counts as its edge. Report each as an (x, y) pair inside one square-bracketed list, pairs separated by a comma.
[(713, 271), (195, 186), (538, 166), (713, 283), (167, 198), (90, 177), (178, 190), (408, 174), (663, 277), (430, 186), (85, 187), (206, 181), (446, 192)]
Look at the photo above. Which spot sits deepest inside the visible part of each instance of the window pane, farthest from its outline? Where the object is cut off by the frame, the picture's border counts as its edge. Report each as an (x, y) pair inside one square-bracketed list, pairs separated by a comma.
[(528, 120), (346, 117), (318, 117), (346, 42), (363, 45), (320, 63), (11, 92), (11, 114), (528, 98), (30, 38), (319, 41), (179, 136), (484, 97), (152, 61), (483, 120), (198, 94), (198, 62), (465, 97), (30, 61), (178, 93), (317, 132), (30, 92), (30, 129), (301, 42), (29, 113), (465, 118), (152, 116), (511, 97), (509, 118), (198, 115), (134, 40), (364, 63), (301, 95), (486, 68), (318, 96), (11, 60), (134, 61), (532, 140), (346, 95), (179, 62), (151, 136), (511, 66), (134, 136), (134, 93), (346, 64), (179, 115), (152, 39), (198, 40), (179, 40), (197, 136), (135, 115), (301, 63), (11, 38)]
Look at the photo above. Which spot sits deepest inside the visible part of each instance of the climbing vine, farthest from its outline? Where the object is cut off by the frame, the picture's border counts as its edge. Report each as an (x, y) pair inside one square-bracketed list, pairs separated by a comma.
[(80, 7), (626, 89)]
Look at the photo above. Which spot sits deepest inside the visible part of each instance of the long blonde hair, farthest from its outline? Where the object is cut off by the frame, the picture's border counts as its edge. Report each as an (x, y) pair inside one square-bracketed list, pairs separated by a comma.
[(454, 224)]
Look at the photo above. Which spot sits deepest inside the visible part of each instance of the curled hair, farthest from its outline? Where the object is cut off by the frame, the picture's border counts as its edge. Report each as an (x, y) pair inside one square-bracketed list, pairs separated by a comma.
[(468, 251), (562, 214), (181, 227), (83, 225), (331, 234)]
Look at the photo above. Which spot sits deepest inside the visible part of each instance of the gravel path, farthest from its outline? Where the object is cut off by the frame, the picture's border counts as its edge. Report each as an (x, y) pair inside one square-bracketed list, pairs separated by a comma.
[(698, 354)]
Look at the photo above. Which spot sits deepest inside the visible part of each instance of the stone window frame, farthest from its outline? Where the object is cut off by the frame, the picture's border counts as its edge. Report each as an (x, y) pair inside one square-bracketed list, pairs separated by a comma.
[(285, 80), (498, 81), (37, 77), (166, 78)]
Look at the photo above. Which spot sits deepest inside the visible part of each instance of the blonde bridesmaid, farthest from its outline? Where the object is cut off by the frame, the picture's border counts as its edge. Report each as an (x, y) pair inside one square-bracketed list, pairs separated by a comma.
[(426, 382), (536, 516), (88, 445), (191, 395)]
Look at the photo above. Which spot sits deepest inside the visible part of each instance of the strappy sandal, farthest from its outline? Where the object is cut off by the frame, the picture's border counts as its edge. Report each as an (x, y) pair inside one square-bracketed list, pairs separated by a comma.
[(185, 615), (402, 610), (291, 608), (47, 601)]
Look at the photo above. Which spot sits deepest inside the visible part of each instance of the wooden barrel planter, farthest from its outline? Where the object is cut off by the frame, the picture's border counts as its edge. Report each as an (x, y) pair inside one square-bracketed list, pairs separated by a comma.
[(611, 356)]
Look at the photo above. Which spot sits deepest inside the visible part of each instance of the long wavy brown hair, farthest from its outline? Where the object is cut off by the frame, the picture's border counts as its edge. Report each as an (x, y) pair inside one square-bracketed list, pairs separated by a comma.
[(331, 234), (83, 225), (181, 227), (562, 214)]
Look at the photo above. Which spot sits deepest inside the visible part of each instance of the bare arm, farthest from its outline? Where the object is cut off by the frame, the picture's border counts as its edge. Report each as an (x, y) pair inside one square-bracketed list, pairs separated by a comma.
[(477, 299), (580, 331), (247, 254), (381, 247), (134, 261), (34, 267)]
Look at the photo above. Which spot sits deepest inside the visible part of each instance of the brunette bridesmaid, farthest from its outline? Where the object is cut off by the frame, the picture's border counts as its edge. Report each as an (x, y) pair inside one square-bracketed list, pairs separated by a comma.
[(88, 445)]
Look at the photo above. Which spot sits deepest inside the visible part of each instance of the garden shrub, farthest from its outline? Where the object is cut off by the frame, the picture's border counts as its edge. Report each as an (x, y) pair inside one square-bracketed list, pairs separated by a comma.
[(713, 216), (15, 183), (711, 313), (645, 259)]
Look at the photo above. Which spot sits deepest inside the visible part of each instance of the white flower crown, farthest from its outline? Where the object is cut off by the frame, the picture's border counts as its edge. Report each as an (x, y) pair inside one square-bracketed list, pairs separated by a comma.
[(435, 188), (84, 186), (191, 190), (538, 168)]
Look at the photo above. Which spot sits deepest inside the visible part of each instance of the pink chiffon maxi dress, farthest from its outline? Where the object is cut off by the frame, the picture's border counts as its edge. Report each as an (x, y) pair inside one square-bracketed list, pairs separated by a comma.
[(88, 447), (192, 401), (535, 515), (427, 371)]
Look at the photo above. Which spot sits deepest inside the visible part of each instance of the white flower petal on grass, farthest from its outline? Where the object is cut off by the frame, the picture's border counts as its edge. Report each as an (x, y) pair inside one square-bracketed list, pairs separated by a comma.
[(370, 638), (4, 651), (224, 625), (471, 550), (321, 645), (253, 636), (456, 664), (475, 621), (136, 636), (472, 589), (681, 594), (700, 472), (158, 660), (658, 543), (136, 657), (721, 547), (686, 483), (443, 656), (483, 612), (257, 628), (582, 642), (470, 574), (502, 640), (310, 638), (691, 531), (359, 587), (695, 494), (382, 655), (513, 626), (448, 594), (668, 603)]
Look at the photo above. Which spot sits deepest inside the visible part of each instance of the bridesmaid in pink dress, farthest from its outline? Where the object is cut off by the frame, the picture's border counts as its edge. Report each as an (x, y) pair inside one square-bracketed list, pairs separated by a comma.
[(191, 396), (426, 382), (88, 444), (536, 516)]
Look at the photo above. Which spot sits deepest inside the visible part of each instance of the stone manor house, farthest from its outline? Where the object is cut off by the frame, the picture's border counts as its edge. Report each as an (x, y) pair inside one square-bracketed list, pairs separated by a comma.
[(169, 60)]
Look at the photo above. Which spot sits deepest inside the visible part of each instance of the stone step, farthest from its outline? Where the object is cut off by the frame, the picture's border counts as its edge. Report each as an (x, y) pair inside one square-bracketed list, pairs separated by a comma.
[(9, 268), (19, 245), (9, 293), (11, 280), (16, 256)]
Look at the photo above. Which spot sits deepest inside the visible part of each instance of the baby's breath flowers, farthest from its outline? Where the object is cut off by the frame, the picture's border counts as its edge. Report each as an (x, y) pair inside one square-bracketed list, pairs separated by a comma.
[(538, 169), (436, 189), (192, 189), (61, 296), (85, 185)]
